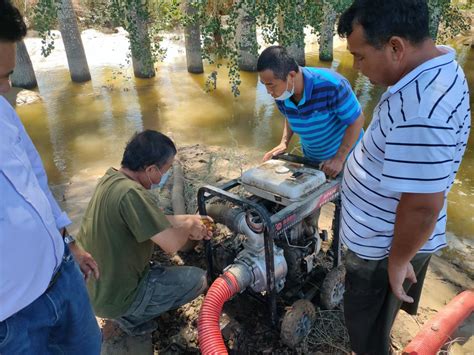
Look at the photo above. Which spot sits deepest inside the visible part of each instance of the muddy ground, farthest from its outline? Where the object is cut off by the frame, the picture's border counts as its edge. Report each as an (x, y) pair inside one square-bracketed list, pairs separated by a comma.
[(245, 321)]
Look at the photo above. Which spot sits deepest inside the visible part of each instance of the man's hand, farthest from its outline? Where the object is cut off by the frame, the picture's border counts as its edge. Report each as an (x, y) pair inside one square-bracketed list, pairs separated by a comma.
[(415, 221), (333, 166), (86, 262), (280, 148), (200, 227), (397, 275), (186, 228)]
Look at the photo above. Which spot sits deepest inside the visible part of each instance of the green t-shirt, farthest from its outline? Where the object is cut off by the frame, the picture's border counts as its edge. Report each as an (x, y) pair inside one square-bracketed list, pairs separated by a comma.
[(116, 229)]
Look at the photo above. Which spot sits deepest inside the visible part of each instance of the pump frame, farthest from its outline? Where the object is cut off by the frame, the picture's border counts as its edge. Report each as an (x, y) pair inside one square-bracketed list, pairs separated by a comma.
[(275, 224)]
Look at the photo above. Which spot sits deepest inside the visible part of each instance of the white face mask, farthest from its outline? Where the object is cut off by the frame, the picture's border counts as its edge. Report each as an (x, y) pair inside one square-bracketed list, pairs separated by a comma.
[(286, 94)]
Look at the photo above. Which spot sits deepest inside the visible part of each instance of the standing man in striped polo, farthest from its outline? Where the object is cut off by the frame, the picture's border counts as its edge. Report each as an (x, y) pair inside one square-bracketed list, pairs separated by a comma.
[(396, 181), (318, 105)]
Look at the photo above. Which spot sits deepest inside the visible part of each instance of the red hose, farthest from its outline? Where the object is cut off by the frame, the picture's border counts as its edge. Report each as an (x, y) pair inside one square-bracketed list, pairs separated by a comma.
[(434, 334), (209, 332)]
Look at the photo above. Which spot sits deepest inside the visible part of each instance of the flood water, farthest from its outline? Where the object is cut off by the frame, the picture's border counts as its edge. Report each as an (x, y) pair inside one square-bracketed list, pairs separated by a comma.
[(79, 126)]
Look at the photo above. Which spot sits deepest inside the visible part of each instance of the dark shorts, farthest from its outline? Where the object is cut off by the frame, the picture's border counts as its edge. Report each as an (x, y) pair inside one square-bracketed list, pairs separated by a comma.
[(370, 307)]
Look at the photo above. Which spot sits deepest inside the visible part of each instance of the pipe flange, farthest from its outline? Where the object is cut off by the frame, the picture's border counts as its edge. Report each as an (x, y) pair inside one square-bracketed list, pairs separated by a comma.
[(254, 222)]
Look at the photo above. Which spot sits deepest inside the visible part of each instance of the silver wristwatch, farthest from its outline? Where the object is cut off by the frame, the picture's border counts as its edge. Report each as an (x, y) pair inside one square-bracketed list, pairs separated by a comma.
[(68, 239)]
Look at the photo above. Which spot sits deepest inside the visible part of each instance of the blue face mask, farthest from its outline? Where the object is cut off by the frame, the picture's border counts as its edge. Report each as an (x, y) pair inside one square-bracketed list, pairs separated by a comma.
[(155, 186), (286, 94), (163, 180)]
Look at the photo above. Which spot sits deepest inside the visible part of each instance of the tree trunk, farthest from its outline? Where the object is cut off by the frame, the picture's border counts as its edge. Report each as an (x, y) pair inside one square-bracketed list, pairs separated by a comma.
[(76, 57), (435, 8), (192, 38), (296, 50), (246, 38), (24, 74), (327, 32), (177, 192), (294, 33), (142, 57)]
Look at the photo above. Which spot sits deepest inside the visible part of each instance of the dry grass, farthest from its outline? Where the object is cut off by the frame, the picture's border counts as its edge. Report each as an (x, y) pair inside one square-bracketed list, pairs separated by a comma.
[(329, 334), (449, 346)]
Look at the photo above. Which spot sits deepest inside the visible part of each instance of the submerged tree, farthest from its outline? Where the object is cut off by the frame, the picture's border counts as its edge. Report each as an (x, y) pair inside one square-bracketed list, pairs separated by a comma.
[(142, 58), (76, 56), (218, 19), (246, 35), (283, 22), (293, 30), (24, 75), (446, 20), (322, 17), (326, 33), (49, 12), (223, 32), (144, 21), (192, 37), (436, 8)]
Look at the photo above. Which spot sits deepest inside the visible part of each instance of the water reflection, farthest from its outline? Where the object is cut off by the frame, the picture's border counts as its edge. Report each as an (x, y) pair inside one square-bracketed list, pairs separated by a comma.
[(362, 88), (264, 109)]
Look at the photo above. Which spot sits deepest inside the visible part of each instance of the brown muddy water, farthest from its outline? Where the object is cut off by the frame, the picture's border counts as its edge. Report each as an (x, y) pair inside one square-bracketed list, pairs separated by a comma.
[(81, 126)]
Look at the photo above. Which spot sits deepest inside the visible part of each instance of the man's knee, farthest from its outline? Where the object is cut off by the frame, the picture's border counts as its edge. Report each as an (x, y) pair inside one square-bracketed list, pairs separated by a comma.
[(199, 276)]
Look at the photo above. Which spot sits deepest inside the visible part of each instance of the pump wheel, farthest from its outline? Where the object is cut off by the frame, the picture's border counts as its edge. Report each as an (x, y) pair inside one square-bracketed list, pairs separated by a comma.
[(297, 322), (332, 290)]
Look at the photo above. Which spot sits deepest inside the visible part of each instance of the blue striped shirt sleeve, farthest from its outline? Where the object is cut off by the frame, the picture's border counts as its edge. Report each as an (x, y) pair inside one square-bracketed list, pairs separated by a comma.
[(345, 103)]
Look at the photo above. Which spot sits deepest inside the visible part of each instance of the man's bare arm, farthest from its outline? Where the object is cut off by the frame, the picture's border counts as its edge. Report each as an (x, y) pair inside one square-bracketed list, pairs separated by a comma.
[(414, 223), (283, 146), (333, 166)]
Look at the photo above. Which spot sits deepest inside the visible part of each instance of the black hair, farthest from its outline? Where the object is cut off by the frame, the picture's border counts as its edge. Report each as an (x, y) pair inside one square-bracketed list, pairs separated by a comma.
[(382, 19), (277, 59), (148, 148), (12, 25)]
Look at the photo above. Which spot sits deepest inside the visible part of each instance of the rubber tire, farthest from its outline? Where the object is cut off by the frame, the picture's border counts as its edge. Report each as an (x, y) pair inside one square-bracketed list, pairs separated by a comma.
[(332, 283), (297, 322)]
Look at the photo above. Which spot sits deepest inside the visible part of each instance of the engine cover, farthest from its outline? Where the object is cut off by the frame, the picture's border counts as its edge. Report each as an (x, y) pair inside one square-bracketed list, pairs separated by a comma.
[(281, 181)]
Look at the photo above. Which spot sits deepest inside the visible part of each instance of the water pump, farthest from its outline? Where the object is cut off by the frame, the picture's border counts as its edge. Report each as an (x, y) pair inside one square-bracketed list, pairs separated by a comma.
[(275, 248)]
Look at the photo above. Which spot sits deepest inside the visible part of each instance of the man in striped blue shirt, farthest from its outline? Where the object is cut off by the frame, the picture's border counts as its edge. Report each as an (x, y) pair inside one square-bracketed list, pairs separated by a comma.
[(318, 105), (397, 179)]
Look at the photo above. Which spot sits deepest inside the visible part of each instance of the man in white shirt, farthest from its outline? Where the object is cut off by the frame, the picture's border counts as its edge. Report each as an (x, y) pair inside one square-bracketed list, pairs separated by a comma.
[(44, 307), (396, 181)]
